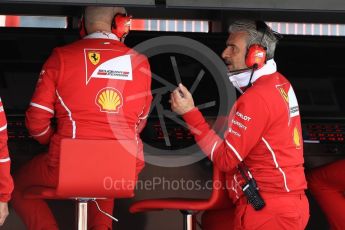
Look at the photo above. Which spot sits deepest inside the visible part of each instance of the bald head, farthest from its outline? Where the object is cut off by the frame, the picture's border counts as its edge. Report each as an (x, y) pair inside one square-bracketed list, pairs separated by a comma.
[(100, 18)]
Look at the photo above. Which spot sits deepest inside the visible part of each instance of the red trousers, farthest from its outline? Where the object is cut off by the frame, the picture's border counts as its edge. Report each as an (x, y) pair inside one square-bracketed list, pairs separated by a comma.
[(281, 212), (35, 212), (327, 185)]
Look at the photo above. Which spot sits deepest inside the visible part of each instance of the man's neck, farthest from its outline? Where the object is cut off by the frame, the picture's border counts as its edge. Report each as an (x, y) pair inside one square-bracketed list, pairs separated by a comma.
[(98, 26)]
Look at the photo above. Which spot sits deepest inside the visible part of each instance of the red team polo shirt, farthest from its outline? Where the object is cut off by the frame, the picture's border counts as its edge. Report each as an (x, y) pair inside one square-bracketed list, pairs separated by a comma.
[(97, 89), (264, 131)]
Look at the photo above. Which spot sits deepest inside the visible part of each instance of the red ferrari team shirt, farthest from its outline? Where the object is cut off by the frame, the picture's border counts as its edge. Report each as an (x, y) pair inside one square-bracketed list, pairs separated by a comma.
[(264, 131), (96, 88), (6, 183)]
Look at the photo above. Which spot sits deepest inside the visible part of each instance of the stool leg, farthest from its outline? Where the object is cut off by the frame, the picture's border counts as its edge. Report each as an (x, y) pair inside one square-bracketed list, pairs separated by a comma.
[(188, 220), (82, 215)]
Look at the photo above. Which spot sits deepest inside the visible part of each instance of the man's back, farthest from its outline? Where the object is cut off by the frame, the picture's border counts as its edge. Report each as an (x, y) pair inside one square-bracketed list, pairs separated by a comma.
[(101, 83), (97, 88)]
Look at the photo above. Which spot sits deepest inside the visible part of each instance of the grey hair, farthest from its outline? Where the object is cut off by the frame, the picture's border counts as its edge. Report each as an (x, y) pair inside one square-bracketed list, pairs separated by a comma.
[(266, 37)]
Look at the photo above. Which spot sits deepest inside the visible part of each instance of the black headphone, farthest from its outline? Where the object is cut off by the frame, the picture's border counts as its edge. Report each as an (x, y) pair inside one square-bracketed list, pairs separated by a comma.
[(120, 26), (256, 55)]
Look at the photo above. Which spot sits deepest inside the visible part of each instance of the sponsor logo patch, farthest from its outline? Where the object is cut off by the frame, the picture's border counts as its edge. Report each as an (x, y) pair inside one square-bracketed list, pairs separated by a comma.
[(109, 100), (293, 104), (104, 72), (243, 117), (102, 64), (283, 94), (239, 124), (296, 138), (289, 97), (234, 132)]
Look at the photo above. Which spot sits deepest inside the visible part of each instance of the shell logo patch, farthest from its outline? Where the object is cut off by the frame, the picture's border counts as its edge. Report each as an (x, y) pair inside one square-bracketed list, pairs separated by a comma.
[(109, 100), (296, 138), (94, 57)]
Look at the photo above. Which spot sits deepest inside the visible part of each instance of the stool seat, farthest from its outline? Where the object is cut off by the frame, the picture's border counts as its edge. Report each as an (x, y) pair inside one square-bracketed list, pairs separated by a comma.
[(179, 204), (90, 170), (218, 200), (169, 204)]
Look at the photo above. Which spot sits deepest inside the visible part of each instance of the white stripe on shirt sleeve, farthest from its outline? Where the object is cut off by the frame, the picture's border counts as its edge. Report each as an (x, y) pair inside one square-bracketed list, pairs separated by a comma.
[(276, 163), (5, 160), (42, 107), (213, 148), (74, 127), (3, 128), (234, 150), (42, 133)]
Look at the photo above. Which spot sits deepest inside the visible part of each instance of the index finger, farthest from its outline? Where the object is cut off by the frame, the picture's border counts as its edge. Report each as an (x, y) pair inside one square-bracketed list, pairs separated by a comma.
[(176, 94), (183, 89)]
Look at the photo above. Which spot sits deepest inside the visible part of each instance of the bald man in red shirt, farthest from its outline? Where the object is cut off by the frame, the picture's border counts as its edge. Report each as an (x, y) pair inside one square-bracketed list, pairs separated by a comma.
[(96, 88)]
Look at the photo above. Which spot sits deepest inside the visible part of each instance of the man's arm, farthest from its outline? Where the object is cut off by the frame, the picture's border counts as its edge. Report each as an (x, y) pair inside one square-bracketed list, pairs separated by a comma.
[(246, 124), (41, 110), (144, 74), (145, 71)]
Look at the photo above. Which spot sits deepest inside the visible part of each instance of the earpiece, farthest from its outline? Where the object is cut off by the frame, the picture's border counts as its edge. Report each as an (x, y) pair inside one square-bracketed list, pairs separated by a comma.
[(256, 53), (120, 26)]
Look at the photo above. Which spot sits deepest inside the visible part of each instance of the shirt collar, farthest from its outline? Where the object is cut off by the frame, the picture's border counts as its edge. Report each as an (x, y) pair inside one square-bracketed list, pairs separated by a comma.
[(102, 34), (241, 80)]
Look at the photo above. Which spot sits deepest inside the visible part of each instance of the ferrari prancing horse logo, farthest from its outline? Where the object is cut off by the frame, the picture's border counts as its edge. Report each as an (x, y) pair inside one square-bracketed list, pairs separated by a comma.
[(94, 57)]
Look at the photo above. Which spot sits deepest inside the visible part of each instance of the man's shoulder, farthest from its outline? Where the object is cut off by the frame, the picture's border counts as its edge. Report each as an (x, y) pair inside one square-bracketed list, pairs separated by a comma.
[(266, 88), (269, 82), (92, 45)]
